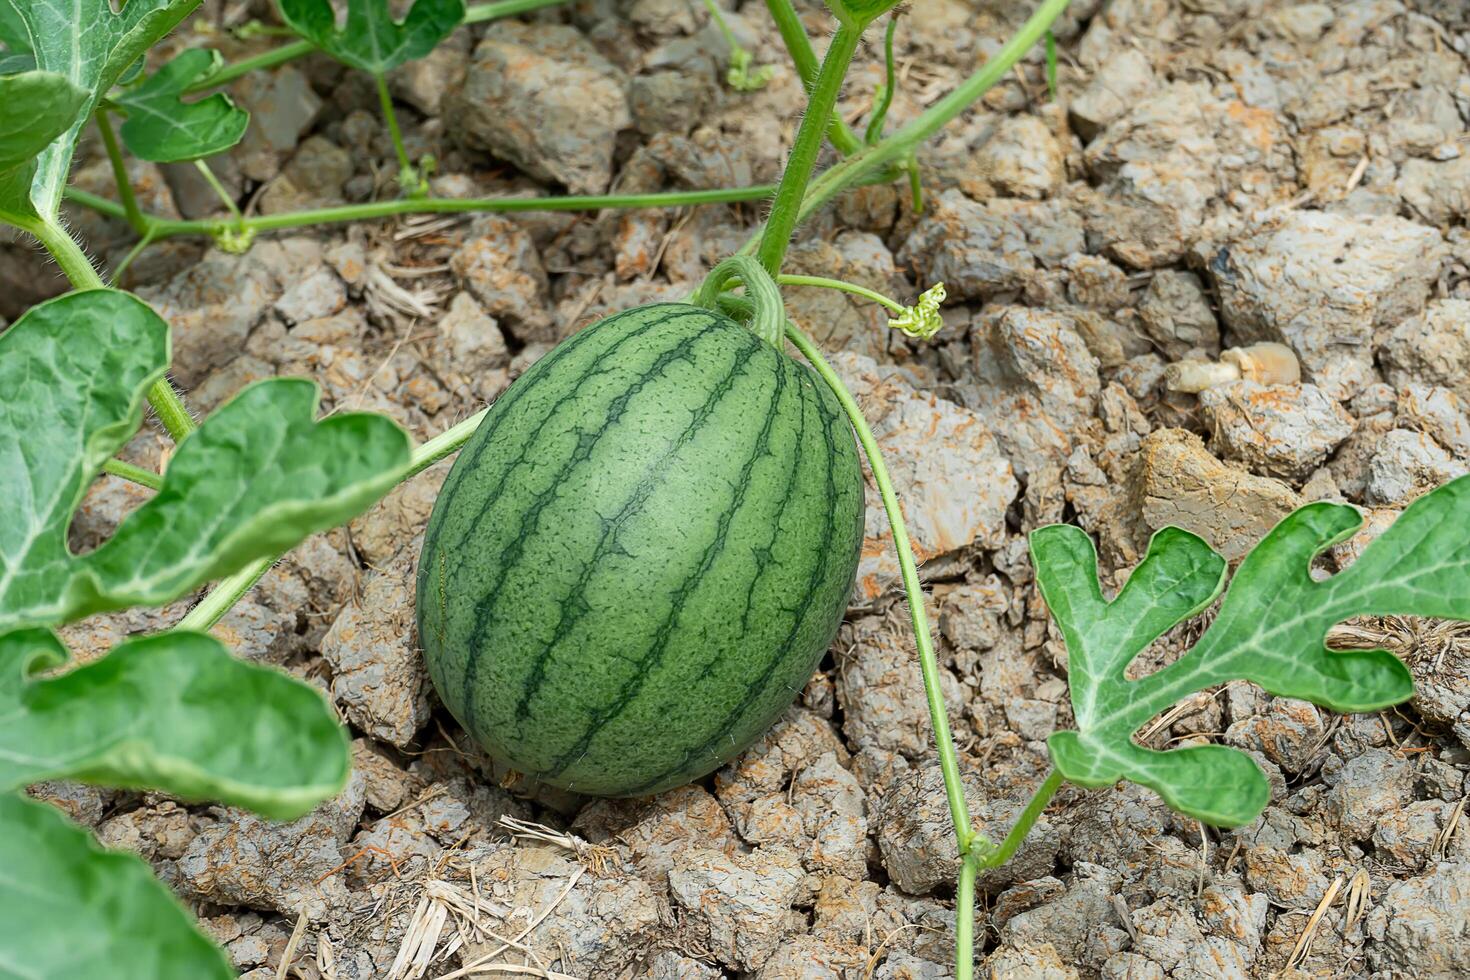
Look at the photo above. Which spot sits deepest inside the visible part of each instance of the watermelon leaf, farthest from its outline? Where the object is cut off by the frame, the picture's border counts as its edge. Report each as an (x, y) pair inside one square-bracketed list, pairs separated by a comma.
[(860, 13), (68, 908), (257, 477), (173, 711), (370, 39), (163, 128), (35, 108), (87, 43), (1270, 629)]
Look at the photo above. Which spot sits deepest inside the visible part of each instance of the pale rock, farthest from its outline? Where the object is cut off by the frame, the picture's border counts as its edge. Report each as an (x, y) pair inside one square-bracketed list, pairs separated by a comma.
[(319, 293), (212, 307), (978, 250), (957, 485), (541, 96), (1029, 961), (1365, 788), (653, 833), (1117, 85), (501, 267), (594, 926), (1421, 927), (1275, 430), (1037, 384), (881, 694), (745, 900), (245, 859), (1437, 412), (1432, 348), (1407, 465), (1329, 286), (378, 676), (282, 107), (1180, 483), (1022, 158), (916, 837), (811, 958), (839, 321), (1439, 192)]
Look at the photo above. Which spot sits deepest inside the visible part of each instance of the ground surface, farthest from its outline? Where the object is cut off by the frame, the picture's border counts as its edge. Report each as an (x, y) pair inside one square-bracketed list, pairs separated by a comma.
[(1216, 173)]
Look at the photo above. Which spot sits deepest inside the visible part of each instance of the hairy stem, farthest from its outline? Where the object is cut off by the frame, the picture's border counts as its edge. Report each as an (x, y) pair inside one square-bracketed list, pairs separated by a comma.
[(119, 172), (804, 58), (786, 208), (228, 591), (79, 271), (168, 227), (474, 14), (949, 762), (479, 12), (902, 142)]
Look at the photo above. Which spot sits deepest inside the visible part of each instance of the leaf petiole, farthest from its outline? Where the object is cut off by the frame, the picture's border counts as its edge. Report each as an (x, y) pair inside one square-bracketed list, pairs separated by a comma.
[(220, 192), (125, 193), (410, 181)]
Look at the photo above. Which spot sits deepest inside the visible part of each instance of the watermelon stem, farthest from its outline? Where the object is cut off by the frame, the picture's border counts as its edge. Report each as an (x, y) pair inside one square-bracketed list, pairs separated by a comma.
[(786, 207), (767, 314), (976, 850)]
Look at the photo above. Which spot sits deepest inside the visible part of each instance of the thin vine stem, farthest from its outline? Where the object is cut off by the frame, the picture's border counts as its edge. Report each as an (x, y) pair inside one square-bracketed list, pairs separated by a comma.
[(170, 227), (385, 102), (257, 62), (949, 763), (125, 193), (840, 285), (474, 14), (133, 474), (874, 132), (899, 144), (1008, 847), (804, 58), (786, 208), (219, 191), (79, 272)]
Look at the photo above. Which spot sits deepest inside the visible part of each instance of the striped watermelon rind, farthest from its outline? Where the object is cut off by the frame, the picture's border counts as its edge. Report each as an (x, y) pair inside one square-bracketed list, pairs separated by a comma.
[(642, 554)]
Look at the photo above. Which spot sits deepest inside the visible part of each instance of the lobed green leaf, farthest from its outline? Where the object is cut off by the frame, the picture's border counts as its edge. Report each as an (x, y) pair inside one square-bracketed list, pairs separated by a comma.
[(163, 128), (174, 711), (1270, 629), (257, 477), (70, 910), (89, 44), (370, 39), (860, 13)]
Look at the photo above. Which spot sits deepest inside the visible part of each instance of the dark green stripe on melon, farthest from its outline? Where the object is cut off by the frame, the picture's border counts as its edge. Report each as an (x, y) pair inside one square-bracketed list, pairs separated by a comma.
[(639, 558)]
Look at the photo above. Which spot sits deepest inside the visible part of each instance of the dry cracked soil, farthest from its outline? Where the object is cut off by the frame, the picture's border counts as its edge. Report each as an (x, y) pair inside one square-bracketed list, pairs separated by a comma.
[(1210, 174)]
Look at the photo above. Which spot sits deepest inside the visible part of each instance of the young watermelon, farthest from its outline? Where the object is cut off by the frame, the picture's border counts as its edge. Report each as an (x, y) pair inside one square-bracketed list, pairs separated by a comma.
[(641, 555)]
